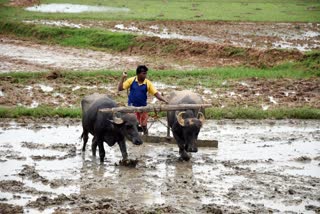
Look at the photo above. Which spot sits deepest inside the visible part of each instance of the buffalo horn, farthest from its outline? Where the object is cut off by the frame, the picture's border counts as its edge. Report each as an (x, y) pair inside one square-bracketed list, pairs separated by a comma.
[(201, 117), (180, 118)]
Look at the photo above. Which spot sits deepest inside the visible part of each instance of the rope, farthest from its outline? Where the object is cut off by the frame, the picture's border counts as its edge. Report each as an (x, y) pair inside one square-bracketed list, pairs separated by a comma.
[(157, 118)]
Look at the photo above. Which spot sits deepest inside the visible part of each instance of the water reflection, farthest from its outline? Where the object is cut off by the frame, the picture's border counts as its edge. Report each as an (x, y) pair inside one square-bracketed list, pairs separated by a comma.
[(74, 8)]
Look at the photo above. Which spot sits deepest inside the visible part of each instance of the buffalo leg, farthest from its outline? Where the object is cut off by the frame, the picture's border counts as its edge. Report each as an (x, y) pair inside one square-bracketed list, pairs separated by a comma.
[(94, 146), (182, 151), (102, 153), (183, 154), (85, 139), (123, 149)]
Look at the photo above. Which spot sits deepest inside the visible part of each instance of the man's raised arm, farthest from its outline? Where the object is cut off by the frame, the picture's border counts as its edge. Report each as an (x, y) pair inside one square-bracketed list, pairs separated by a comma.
[(123, 77)]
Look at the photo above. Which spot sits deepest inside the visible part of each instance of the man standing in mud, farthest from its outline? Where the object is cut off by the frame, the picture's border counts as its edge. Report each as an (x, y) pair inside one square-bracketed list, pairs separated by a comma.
[(139, 87)]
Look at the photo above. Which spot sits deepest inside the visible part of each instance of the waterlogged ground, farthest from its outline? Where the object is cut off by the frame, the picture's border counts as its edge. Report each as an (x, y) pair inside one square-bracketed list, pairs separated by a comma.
[(260, 166), (261, 35), (17, 55), (168, 45), (20, 55)]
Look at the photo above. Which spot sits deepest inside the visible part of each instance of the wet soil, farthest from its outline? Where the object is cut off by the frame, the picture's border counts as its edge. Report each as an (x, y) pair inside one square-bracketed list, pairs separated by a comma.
[(203, 54), (261, 35), (56, 91), (9, 208), (157, 53), (260, 167), (19, 55)]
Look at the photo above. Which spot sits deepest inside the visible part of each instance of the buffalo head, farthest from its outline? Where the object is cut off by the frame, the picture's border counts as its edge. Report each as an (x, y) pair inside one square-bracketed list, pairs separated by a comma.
[(190, 127), (128, 125)]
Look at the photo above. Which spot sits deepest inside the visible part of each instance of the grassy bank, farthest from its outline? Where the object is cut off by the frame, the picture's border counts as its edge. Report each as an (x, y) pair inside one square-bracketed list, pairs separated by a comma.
[(307, 68), (38, 112), (211, 113), (229, 10), (255, 113), (80, 38)]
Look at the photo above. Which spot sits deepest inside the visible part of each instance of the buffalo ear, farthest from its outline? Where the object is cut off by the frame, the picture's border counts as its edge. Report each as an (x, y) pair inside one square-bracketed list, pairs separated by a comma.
[(116, 120)]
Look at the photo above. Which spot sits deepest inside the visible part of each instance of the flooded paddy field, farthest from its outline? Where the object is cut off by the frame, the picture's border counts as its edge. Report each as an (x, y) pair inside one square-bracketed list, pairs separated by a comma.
[(260, 167)]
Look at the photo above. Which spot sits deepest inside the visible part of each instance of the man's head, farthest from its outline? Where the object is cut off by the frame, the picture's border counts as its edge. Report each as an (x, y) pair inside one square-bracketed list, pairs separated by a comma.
[(142, 72)]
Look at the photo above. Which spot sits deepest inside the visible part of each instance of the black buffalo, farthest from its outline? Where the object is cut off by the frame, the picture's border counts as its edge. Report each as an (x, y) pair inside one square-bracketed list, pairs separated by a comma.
[(185, 125), (107, 127)]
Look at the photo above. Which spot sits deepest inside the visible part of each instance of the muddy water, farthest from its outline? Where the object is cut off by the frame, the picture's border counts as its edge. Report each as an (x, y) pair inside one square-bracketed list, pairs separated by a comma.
[(260, 166)]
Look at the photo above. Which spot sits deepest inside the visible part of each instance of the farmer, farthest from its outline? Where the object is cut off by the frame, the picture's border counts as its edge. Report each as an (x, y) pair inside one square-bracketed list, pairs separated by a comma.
[(139, 86)]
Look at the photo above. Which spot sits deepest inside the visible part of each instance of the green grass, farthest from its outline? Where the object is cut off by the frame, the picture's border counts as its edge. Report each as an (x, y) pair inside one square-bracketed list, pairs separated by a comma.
[(42, 111), (255, 113), (81, 38), (211, 113), (311, 61), (207, 77), (215, 76), (228, 10), (307, 68)]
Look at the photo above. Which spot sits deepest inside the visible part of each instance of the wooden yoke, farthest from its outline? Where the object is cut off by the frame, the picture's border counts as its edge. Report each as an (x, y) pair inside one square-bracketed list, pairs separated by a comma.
[(155, 108)]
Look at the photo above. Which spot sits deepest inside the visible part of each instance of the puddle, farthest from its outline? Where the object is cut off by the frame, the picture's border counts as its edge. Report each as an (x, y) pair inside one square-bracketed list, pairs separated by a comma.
[(272, 100), (34, 104), (244, 84), (164, 34), (109, 87), (17, 198), (159, 85), (207, 91), (290, 45), (54, 23), (253, 159), (76, 88), (74, 8), (45, 88), (56, 94)]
